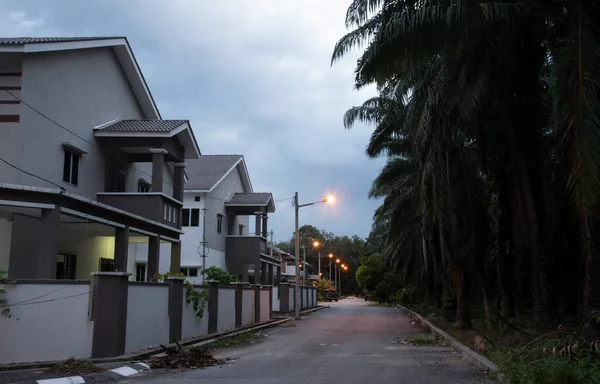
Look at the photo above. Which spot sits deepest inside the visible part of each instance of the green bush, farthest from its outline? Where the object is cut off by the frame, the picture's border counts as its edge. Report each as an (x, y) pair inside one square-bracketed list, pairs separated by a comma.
[(549, 370), (216, 273)]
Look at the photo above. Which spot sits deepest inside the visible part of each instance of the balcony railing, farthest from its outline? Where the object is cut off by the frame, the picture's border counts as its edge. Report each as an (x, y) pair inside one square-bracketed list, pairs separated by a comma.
[(154, 206)]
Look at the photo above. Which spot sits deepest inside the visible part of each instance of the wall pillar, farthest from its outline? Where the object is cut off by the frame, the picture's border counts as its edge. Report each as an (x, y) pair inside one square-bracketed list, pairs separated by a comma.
[(278, 277), (158, 163), (257, 231), (284, 297), (257, 303), (109, 313), (264, 226), (213, 305), (121, 249), (175, 307), (239, 300), (48, 240), (153, 256), (263, 273), (175, 257), (178, 181)]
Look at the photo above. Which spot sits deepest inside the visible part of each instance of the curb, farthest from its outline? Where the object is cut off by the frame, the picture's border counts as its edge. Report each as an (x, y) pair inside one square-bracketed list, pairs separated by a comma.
[(114, 374), (476, 357)]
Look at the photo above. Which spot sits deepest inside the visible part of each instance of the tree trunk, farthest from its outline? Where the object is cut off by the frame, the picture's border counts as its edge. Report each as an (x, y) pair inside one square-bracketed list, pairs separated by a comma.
[(461, 286), (486, 307)]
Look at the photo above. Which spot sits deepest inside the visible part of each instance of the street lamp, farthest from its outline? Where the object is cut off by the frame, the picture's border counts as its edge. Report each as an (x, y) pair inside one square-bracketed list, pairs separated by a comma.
[(297, 206), (330, 259)]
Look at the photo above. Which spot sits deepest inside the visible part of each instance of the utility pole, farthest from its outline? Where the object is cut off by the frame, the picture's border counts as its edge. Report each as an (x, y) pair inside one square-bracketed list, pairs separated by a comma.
[(297, 252), (203, 243), (319, 256)]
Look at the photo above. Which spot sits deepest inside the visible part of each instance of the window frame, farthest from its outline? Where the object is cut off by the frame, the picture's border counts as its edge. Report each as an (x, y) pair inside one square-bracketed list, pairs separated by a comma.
[(143, 184), (71, 163), (219, 223)]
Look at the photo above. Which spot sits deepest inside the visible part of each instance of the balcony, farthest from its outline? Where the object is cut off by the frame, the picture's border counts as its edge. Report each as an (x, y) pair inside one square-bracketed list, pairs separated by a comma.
[(154, 206), (246, 248)]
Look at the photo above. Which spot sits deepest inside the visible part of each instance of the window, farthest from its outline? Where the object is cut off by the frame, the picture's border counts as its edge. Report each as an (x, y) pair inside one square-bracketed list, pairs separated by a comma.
[(189, 272), (219, 223), (71, 167), (195, 217), (114, 181), (196, 198), (185, 220), (241, 229), (140, 272), (143, 186), (107, 265)]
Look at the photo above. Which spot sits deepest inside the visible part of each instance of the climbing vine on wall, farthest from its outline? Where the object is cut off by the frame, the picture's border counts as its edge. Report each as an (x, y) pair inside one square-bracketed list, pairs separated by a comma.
[(198, 298), (4, 311)]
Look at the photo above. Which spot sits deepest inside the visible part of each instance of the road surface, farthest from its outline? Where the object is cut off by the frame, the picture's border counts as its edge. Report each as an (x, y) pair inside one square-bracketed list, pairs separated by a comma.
[(351, 342)]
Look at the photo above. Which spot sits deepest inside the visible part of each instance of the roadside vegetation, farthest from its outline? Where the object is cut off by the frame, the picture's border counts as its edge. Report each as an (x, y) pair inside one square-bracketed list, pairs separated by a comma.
[(488, 113)]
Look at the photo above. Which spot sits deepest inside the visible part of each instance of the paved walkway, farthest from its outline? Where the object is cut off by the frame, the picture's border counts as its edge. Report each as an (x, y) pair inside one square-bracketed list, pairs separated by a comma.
[(351, 342)]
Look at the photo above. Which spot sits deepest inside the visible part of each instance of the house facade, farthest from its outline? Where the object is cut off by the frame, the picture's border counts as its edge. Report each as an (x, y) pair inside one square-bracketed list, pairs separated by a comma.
[(88, 165)]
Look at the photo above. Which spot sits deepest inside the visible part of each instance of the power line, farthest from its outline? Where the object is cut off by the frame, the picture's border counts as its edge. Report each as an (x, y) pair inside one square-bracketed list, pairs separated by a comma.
[(78, 136), (31, 174), (44, 301), (38, 297)]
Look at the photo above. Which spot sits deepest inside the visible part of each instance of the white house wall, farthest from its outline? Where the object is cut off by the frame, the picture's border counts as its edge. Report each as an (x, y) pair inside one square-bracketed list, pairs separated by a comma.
[(10, 63), (138, 253), (79, 89), (55, 329)]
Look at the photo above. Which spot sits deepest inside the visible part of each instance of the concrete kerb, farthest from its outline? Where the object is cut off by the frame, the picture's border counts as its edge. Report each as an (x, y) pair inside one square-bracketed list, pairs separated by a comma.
[(474, 356)]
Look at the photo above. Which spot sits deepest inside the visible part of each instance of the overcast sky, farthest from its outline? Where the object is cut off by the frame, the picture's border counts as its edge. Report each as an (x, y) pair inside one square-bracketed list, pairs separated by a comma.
[(254, 78)]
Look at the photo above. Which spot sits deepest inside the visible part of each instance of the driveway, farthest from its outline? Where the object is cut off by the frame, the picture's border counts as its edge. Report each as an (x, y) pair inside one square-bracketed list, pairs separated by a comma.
[(351, 342)]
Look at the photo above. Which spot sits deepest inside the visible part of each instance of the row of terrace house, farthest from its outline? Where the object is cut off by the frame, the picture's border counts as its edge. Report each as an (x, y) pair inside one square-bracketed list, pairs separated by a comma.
[(94, 180)]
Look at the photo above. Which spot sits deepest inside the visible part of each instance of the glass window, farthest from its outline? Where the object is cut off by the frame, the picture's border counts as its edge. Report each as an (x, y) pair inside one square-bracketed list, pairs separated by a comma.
[(71, 168), (195, 217)]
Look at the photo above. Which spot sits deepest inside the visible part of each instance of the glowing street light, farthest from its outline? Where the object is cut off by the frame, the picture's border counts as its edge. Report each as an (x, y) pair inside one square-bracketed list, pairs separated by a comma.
[(328, 200)]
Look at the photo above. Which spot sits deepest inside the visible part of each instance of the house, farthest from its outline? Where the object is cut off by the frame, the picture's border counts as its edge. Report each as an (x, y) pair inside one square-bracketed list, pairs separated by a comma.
[(218, 202), (87, 165)]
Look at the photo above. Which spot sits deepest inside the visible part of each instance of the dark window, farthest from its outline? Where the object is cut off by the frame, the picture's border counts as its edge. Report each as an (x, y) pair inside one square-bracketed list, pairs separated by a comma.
[(107, 265), (140, 272), (114, 181), (219, 223), (186, 217), (189, 272), (241, 229), (71, 167), (143, 187), (66, 266), (196, 198), (195, 217)]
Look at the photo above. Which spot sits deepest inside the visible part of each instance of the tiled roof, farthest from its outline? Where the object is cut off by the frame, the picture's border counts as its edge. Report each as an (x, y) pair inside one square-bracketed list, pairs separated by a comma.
[(160, 126), (251, 198), (41, 40), (205, 172)]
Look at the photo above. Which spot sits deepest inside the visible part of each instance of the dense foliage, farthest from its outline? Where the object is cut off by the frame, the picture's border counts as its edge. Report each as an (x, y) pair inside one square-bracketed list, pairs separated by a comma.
[(489, 115)]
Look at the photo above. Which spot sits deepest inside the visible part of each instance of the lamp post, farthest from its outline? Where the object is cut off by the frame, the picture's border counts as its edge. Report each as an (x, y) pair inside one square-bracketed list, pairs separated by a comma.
[(297, 207), (330, 259)]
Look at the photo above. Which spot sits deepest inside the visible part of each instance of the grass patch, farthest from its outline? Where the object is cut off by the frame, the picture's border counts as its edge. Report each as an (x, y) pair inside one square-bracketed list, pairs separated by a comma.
[(237, 340), (288, 324), (74, 367), (431, 339)]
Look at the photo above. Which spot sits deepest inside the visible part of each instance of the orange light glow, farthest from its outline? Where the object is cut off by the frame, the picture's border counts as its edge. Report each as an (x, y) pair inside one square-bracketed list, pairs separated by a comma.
[(316, 244), (337, 261), (331, 255)]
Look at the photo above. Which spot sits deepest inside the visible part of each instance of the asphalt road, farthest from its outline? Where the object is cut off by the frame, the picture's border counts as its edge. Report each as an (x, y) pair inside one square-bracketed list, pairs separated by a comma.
[(351, 342)]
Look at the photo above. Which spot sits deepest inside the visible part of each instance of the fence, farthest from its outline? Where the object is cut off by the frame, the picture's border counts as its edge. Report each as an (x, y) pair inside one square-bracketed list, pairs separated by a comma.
[(110, 316)]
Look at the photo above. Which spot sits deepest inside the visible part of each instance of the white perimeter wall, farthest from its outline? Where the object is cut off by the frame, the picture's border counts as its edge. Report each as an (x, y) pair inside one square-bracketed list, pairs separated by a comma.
[(265, 310), (292, 298), (147, 316), (226, 309), (191, 325), (42, 330), (276, 305), (247, 306)]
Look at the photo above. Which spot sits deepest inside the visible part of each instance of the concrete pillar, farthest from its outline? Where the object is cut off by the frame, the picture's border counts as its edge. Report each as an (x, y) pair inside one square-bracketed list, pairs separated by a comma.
[(109, 313), (284, 297), (178, 181), (263, 273), (158, 162), (213, 306), (121, 249), (175, 257), (270, 302), (175, 307), (257, 303), (257, 225), (278, 277), (47, 241), (302, 304), (264, 226), (153, 256), (239, 300)]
